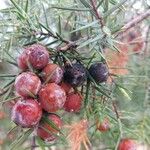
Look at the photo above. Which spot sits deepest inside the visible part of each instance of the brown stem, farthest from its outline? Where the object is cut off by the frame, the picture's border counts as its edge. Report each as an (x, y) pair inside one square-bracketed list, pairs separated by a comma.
[(119, 124), (115, 109), (33, 146), (94, 93), (145, 51), (70, 45), (98, 16), (136, 20)]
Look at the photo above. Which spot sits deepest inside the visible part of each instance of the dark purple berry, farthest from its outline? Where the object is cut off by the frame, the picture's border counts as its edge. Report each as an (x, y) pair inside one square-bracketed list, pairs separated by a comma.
[(99, 72), (75, 74)]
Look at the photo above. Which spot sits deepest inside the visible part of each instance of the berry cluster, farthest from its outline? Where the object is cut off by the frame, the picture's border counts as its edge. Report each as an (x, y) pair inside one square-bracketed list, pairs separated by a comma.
[(45, 87)]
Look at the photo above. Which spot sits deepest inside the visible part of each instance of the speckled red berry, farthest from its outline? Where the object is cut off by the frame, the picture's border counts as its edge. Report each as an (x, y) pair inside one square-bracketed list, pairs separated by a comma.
[(52, 97), (99, 72), (26, 113), (36, 55), (103, 126), (44, 134), (73, 102), (67, 87), (52, 73), (27, 84), (75, 74), (127, 144)]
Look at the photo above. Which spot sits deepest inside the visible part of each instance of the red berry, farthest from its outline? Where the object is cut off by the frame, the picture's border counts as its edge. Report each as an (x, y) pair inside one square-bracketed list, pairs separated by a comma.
[(36, 55), (52, 73), (52, 97), (44, 134), (67, 87), (127, 144), (73, 102), (104, 126), (26, 113), (27, 84)]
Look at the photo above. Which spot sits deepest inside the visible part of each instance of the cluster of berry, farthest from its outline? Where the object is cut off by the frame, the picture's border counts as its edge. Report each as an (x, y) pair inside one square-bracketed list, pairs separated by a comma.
[(49, 89)]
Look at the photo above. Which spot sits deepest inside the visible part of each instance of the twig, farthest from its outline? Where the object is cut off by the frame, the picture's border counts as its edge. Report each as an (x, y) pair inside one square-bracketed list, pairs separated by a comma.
[(115, 109), (94, 93), (119, 123), (145, 51), (68, 46), (99, 17), (147, 84), (33, 146), (135, 21)]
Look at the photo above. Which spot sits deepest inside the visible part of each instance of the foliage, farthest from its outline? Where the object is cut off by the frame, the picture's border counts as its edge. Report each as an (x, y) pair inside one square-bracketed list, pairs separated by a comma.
[(76, 30)]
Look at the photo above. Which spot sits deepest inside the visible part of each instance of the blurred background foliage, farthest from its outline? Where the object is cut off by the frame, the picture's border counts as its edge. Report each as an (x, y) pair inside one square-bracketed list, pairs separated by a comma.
[(53, 22)]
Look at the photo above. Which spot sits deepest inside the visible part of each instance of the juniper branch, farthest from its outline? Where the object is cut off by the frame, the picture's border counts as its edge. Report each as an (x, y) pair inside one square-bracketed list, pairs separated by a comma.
[(119, 123), (98, 16), (136, 20)]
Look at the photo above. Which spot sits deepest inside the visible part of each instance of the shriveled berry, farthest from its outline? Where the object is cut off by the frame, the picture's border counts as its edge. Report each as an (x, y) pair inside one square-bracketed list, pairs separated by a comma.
[(26, 113), (127, 144), (52, 73), (99, 72), (103, 126), (52, 97), (44, 134), (73, 102), (36, 55), (27, 84), (75, 74), (67, 87)]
